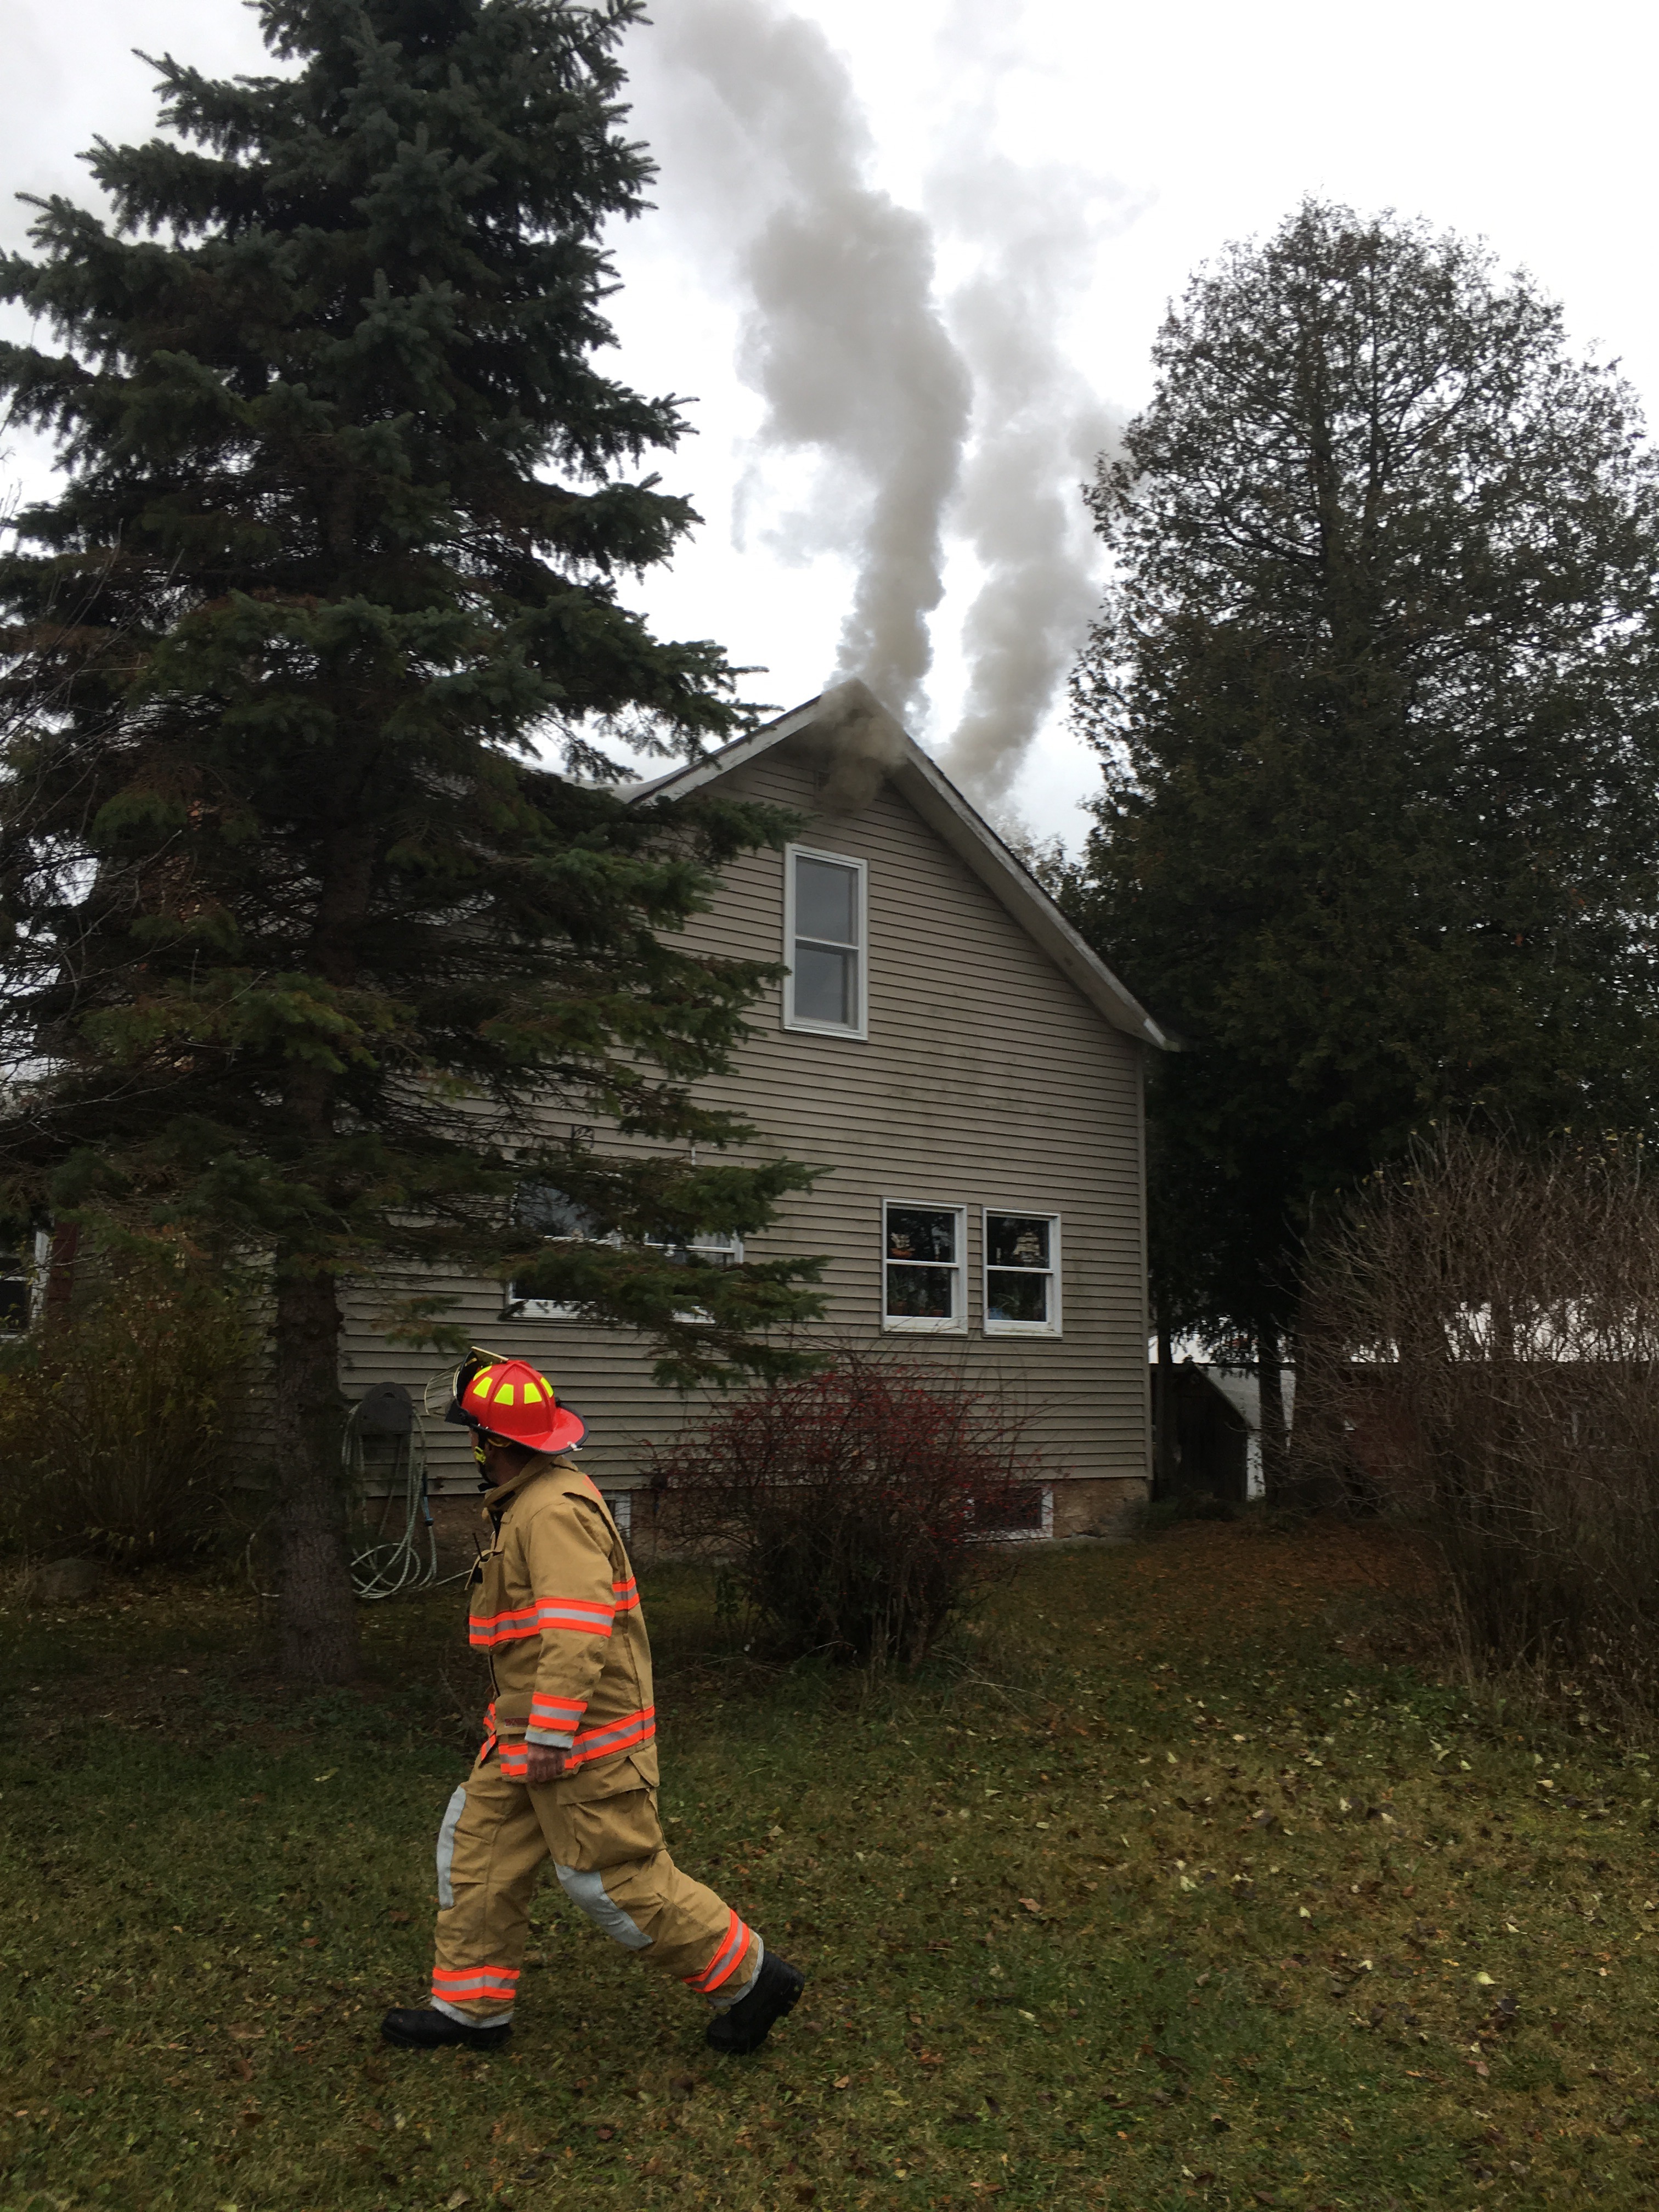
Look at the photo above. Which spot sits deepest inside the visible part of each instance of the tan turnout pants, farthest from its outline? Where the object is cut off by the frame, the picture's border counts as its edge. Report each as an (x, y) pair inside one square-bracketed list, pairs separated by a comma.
[(611, 1860)]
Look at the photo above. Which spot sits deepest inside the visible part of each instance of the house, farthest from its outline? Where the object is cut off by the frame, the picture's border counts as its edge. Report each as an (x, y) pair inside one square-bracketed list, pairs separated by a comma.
[(969, 1073)]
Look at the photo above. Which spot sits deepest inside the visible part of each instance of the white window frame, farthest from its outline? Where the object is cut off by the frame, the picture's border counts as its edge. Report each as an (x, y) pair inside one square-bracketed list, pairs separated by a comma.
[(35, 1265), (860, 1028), (1022, 1535), (1052, 1327), (923, 1324)]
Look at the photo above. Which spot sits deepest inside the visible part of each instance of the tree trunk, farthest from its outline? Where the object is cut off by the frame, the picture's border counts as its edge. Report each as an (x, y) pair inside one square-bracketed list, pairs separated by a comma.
[(1163, 1433), (1275, 1436), (60, 1275), (317, 1611)]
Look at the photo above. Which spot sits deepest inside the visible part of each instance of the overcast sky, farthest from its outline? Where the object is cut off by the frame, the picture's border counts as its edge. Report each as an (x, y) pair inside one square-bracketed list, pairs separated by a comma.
[(910, 256)]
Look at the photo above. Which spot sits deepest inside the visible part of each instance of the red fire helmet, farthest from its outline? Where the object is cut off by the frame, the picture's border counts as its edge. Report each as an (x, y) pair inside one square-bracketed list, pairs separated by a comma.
[(512, 1399)]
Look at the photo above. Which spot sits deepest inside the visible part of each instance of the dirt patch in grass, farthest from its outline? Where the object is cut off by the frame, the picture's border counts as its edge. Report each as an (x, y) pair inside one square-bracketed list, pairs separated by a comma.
[(1164, 1889)]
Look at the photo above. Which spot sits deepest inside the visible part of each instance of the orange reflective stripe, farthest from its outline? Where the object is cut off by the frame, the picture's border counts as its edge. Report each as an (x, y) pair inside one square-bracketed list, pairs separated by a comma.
[(502, 1627), (626, 1596), (557, 1709), (733, 1948), (592, 1615), (459, 1982), (612, 1736)]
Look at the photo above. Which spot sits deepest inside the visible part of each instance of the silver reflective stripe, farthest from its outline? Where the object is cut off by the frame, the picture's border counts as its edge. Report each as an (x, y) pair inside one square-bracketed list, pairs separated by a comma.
[(453, 1813), (587, 1890), (453, 2012), (723, 2000)]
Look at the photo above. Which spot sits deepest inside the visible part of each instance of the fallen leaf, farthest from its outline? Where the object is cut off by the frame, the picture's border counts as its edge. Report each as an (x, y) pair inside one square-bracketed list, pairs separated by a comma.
[(1031, 1906), (400, 1919), (247, 2034), (842, 2082), (453, 2204)]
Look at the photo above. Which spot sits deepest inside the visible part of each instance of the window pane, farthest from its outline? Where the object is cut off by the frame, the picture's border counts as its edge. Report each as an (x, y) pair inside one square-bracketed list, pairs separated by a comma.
[(14, 1301), (826, 986), (918, 1232), (921, 1293), (1018, 1506), (544, 1209), (1016, 1240), (826, 902), (1009, 1297)]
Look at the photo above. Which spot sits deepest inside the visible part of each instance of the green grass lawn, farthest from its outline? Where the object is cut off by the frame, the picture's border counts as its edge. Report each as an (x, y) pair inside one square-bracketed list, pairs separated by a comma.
[(1160, 1892)]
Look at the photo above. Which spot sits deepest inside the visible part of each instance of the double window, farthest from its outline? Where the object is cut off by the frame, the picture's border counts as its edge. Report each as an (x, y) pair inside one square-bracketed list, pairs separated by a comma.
[(823, 943), (546, 1209), (924, 1270)]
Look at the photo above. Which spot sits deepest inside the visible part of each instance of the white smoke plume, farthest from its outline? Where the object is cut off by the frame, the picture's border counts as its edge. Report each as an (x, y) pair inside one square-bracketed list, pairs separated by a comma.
[(1037, 431), (843, 337), (969, 420)]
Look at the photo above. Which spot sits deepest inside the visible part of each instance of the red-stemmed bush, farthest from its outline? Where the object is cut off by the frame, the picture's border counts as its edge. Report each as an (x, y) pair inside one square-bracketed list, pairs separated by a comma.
[(852, 1509)]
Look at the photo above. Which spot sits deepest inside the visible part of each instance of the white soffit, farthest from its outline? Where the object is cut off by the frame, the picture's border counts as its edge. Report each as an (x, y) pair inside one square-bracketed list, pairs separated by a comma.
[(920, 781)]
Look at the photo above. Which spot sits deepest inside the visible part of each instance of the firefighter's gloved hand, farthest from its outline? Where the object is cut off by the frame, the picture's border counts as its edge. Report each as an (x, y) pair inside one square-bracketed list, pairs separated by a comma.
[(543, 1763)]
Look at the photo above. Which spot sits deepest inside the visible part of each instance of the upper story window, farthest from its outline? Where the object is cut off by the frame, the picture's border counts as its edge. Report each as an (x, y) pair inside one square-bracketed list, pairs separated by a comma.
[(823, 943), (1022, 1274)]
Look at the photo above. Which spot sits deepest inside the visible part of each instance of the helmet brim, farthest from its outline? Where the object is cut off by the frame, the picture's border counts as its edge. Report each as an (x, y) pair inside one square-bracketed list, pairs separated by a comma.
[(566, 1433)]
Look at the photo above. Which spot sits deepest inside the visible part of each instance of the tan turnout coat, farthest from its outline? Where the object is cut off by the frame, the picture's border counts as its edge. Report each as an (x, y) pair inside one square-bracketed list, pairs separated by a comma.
[(553, 1605)]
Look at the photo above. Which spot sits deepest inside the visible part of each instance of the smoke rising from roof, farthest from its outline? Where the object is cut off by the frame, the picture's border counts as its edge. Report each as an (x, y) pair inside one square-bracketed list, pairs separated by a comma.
[(842, 336), (1037, 433), (924, 421)]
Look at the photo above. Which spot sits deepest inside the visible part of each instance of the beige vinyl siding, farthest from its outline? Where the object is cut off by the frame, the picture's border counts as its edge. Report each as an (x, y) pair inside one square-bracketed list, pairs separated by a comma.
[(987, 1080)]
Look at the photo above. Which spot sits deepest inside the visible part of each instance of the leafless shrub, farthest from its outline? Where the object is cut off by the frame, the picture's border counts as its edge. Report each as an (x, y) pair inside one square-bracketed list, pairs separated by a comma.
[(1481, 1358), (850, 1508)]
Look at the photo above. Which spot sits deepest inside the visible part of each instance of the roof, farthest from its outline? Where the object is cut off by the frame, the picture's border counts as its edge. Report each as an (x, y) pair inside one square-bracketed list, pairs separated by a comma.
[(858, 737)]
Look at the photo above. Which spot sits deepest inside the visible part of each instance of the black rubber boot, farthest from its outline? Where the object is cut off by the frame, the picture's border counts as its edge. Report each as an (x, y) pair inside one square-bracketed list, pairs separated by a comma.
[(427, 2031), (749, 2022)]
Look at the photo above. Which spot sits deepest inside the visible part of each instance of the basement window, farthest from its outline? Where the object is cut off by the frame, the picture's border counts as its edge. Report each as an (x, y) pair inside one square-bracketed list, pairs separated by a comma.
[(1025, 1510), (922, 1268), (823, 943), (1022, 1273)]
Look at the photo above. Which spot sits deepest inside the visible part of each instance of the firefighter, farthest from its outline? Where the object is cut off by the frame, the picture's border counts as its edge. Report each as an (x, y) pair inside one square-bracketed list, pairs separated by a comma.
[(568, 1767)]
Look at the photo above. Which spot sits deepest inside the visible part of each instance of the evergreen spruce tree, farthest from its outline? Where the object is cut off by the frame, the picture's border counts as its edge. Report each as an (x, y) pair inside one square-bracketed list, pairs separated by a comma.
[(1376, 690), (306, 947)]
